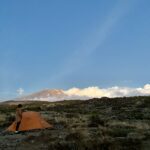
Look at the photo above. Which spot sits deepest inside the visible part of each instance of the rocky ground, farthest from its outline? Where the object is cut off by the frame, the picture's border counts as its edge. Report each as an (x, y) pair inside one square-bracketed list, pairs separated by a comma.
[(100, 124)]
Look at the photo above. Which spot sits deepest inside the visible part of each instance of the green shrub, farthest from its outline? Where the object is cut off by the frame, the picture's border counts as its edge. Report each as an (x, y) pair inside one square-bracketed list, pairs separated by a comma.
[(95, 120)]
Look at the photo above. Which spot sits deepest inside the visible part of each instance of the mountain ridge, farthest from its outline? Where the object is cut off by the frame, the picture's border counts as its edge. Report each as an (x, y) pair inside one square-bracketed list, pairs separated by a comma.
[(50, 95)]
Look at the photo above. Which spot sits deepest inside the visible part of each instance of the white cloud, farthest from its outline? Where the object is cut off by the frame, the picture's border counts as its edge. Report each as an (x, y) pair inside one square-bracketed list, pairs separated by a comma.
[(87, 93), (109, 92), (20, 91)]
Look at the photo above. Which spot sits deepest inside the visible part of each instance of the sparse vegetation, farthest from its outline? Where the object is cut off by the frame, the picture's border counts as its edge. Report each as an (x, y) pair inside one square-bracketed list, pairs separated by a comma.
[(105, 124)]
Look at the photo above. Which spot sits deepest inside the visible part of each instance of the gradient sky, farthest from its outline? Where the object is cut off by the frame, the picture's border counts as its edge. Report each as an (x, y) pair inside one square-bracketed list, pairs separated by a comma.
[(73, 43)]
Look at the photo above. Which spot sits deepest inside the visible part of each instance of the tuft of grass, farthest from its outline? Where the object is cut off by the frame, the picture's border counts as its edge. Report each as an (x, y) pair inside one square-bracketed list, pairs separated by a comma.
[(95, 120)]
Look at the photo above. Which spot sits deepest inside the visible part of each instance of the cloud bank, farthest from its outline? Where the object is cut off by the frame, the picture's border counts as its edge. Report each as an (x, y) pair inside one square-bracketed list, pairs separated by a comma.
[(116, 91), (86, 93)]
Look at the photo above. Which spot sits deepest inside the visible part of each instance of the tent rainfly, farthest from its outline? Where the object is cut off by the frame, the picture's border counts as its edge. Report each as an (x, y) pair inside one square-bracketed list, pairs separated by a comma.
[(30, 120)]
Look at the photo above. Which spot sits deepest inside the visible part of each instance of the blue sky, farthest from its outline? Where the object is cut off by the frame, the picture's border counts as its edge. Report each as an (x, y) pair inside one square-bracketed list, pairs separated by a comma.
[(81, 43)]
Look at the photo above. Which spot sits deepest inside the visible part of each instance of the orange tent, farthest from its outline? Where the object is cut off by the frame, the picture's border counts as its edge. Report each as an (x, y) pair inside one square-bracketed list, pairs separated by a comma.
[(30, 120)]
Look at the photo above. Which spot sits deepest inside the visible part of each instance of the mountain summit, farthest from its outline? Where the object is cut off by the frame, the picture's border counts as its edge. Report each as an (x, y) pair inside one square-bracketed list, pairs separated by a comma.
[(51, 95), (45, 95)]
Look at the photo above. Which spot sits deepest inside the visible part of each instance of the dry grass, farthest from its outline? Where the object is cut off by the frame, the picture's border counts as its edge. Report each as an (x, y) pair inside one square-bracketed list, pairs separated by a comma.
[(119, 123)]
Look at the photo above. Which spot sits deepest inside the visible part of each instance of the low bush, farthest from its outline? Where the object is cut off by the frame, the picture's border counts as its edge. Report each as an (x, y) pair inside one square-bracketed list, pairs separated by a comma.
[(95, 121)]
